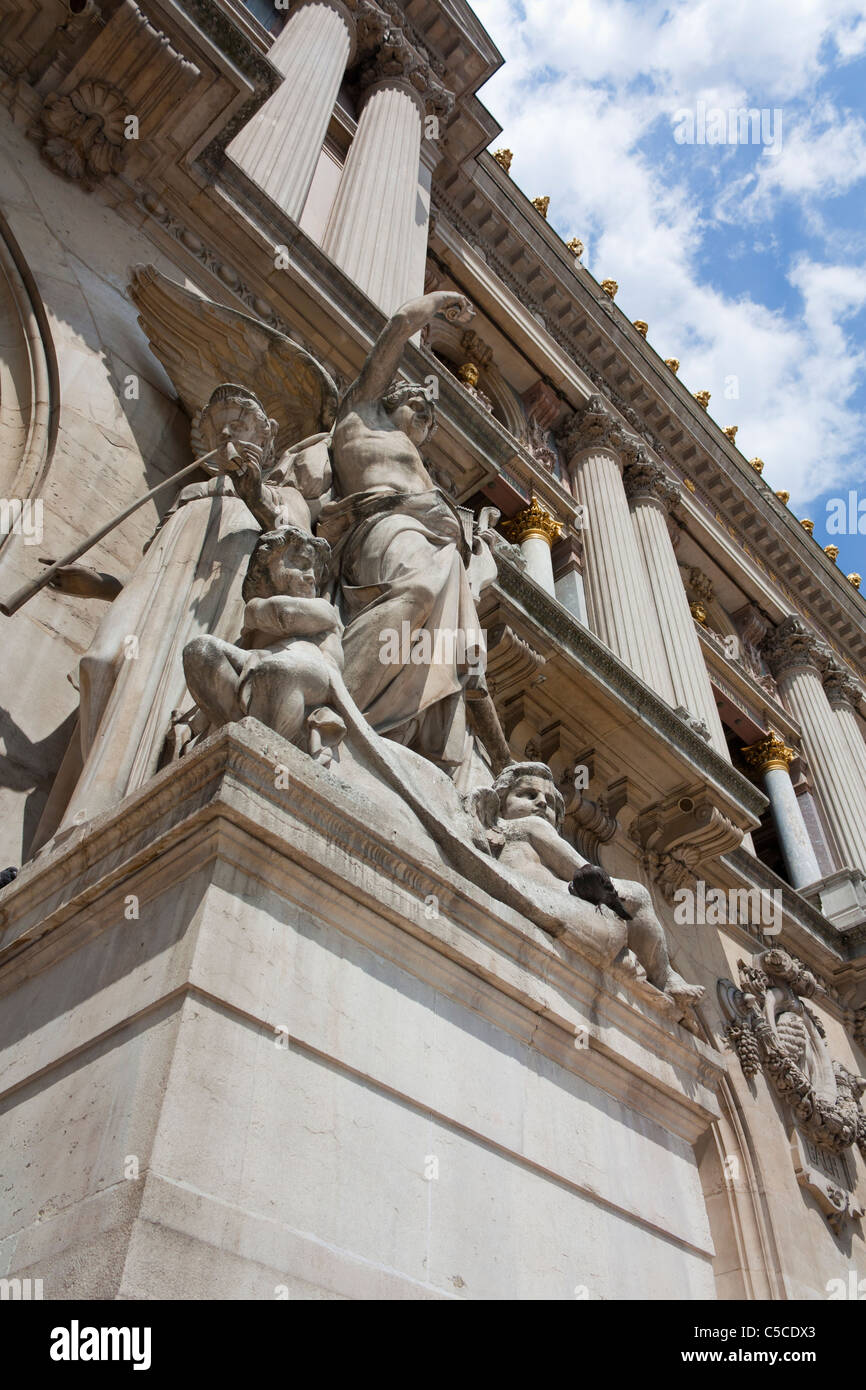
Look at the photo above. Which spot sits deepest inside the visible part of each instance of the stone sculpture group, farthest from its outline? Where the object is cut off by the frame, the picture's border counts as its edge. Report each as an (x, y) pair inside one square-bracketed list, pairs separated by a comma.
[(265, 593)]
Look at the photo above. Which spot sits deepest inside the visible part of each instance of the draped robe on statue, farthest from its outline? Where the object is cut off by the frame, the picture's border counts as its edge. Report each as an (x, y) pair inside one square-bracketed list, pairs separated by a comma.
[(131, 679), (406, 558)]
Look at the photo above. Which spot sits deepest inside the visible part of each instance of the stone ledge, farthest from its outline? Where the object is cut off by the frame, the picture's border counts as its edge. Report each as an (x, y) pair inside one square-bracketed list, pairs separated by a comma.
[(220, 804)]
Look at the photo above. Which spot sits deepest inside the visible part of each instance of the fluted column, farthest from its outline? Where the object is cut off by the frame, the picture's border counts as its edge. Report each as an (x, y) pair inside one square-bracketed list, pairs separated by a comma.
[(619, 608), (844, 694), (771, 759), (375, 228), (651, 497), (535, 530), (798, 658), (280, 146)]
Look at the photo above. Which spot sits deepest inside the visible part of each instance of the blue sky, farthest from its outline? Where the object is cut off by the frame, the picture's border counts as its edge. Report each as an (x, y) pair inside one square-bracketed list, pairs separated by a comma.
[(748, 261)]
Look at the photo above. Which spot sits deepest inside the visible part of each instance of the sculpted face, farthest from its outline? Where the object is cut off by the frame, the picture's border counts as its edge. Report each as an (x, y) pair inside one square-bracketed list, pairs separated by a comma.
[(414, 417), (242, 424), (530, 796), (293, 572)]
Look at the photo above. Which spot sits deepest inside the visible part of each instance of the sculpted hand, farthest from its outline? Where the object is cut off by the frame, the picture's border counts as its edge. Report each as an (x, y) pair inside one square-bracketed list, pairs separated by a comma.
[(456, 308), (84, 582)]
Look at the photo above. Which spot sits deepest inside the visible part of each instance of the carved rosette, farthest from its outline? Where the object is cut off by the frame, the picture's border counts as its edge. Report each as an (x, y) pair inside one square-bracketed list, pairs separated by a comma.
[(595, 427), (83, 132), (841, 687), (771, 1029), (793, 646), (767, 753)]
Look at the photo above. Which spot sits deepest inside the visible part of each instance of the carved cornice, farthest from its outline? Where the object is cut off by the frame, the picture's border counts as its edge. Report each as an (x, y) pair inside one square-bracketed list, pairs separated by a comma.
[(795, 646), (769, 752)]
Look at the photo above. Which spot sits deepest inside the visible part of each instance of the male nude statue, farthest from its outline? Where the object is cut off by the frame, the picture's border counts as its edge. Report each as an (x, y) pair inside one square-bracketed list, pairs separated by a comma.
[(403, 552)]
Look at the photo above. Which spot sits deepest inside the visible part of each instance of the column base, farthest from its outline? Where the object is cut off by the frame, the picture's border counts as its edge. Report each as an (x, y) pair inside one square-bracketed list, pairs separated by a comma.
[(841, 897)]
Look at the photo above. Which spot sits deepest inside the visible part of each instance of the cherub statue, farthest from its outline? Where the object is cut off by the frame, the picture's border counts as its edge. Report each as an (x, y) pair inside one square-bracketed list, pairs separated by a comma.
[(522, 814), (281, 671)]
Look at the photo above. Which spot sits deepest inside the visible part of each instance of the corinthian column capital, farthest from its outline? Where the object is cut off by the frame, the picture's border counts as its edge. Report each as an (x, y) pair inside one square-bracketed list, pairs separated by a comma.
[(794, 646), (768, 753), (645, 480), (841, 687), (388, 56), (594, 427), (533, 521)]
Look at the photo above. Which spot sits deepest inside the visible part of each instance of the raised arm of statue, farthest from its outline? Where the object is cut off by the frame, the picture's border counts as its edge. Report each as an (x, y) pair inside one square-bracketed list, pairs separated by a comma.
[(383, 360)]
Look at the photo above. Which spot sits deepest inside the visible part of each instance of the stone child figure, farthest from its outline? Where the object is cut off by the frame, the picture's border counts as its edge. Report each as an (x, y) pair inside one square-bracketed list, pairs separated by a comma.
[(280, 672), (523, 813)]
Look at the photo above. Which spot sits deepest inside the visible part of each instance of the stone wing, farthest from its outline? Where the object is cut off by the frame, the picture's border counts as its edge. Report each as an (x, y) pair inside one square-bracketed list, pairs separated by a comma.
[(201, 344)]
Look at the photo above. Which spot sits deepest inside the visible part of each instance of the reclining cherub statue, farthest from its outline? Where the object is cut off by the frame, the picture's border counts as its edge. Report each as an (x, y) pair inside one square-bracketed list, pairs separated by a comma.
[(281, 670), (522, 814)]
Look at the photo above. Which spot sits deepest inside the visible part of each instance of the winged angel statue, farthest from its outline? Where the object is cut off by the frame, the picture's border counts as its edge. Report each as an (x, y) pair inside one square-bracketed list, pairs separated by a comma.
[(285, 450), (272, 587)]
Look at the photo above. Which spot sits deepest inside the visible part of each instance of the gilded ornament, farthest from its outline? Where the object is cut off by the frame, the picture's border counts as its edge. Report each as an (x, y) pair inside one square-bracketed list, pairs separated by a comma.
[(503, 158), (575, 246), (731, 432), (807, 525), (783, 497), (855, 580), (767, 753), (534, 520), (702, 398), (541, 205), (642, 327), (673, 363), (610, 288), (832, 552)]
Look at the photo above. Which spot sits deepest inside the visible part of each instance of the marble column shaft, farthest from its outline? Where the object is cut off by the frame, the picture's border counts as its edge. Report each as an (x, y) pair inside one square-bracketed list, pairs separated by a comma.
[(844, 694), (280, 146), (772, 759), (618, 602), (535, 530), (651, 497), (798, 657), (371, 232)]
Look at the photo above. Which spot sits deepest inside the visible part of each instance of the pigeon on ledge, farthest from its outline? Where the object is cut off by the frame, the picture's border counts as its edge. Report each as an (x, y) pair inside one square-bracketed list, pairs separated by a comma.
[(593, 885)]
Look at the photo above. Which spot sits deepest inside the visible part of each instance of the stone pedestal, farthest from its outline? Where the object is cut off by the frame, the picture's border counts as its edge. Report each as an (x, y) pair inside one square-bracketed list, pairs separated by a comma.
[(280, 146), (618, 603), (772, 759), (289, 1053)]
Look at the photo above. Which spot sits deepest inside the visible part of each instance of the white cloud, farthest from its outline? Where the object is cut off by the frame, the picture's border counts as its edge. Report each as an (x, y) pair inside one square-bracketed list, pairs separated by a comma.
[(576, 116)]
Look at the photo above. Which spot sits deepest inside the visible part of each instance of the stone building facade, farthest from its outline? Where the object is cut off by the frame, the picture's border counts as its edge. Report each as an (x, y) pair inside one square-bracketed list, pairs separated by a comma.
[(264, 1034)]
